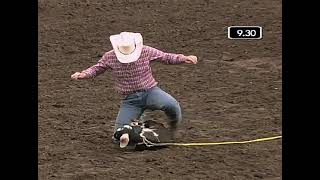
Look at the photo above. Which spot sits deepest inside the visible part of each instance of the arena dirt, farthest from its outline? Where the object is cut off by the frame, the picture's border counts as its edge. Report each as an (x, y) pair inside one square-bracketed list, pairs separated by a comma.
[(233, 93)]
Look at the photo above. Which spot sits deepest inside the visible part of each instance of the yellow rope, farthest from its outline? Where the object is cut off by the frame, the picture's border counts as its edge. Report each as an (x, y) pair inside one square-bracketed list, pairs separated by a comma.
[(230, 142), (214, 143)]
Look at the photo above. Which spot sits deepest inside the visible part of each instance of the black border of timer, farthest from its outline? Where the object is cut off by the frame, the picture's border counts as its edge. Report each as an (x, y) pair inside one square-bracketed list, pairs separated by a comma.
[(246, 32)]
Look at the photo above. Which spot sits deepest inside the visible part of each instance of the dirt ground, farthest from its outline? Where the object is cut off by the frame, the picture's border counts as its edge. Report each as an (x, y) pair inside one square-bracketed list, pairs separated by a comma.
[(233, 93)]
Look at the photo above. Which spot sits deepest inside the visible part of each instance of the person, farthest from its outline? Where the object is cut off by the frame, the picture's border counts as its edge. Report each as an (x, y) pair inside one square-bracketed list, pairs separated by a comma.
[(129, 62)]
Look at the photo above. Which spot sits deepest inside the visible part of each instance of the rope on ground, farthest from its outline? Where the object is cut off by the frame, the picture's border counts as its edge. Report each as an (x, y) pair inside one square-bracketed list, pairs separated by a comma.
[(150, 144)]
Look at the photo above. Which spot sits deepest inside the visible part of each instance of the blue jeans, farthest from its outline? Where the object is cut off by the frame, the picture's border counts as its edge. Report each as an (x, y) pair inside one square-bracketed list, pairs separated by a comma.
[(133, 106)]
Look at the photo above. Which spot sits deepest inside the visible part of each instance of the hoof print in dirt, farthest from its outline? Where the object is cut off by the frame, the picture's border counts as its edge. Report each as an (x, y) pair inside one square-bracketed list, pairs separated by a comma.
[(226, 56)]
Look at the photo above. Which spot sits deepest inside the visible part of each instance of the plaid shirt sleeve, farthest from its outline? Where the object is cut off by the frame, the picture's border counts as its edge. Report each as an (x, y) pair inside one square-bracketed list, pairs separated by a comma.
[(167, 58), (98, 68)]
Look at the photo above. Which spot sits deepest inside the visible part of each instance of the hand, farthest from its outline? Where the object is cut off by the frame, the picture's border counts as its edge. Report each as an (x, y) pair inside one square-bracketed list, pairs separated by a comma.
[(191, 59), (78, 75)]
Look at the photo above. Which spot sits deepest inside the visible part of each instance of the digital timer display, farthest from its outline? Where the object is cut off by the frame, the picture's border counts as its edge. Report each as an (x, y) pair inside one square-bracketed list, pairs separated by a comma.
[(244, 32)]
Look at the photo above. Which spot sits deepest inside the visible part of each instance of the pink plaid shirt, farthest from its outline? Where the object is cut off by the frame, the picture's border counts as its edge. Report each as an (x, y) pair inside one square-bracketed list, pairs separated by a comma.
[(133, 76)]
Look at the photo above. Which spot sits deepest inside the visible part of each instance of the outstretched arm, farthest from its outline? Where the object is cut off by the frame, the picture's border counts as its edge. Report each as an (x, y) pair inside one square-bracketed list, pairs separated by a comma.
[(94, 70), (170, 58)]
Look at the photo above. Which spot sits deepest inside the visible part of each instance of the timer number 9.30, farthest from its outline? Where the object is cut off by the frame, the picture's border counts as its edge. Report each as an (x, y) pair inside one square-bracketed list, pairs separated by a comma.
[(244, 32)]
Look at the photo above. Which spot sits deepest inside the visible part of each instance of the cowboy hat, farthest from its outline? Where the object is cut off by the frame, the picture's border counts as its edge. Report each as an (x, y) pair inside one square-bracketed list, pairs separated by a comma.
[(127, 46)]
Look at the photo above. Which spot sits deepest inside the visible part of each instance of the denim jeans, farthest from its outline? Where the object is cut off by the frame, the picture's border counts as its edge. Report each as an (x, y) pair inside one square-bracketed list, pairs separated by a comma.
[(133, 106)]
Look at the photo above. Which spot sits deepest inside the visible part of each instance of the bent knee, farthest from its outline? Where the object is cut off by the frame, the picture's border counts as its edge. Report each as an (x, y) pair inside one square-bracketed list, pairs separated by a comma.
[(173, 105)]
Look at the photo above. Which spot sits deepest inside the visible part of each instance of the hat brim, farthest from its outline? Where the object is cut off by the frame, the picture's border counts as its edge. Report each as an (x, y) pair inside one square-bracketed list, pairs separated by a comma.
[(127, 58)]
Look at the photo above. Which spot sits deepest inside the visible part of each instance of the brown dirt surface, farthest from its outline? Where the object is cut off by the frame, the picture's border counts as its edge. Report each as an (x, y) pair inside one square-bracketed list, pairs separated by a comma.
[(233, 93)]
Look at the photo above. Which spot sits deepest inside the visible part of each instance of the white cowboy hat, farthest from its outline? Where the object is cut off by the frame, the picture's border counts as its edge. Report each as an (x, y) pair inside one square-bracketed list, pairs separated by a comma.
[(127, 46)]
